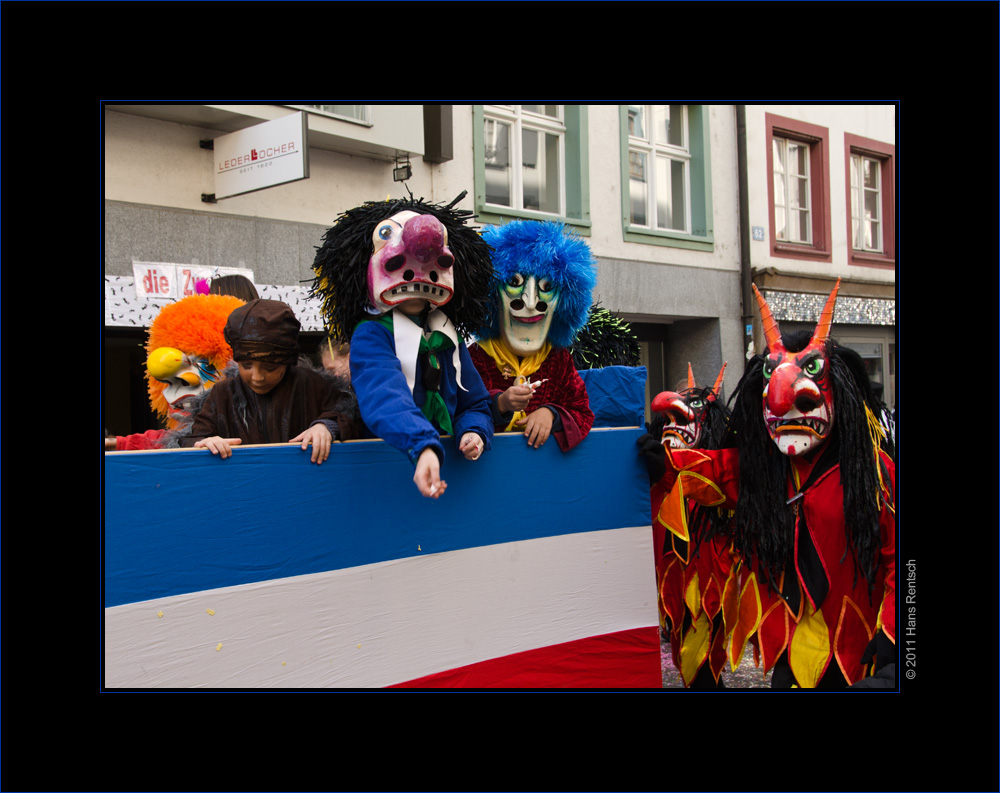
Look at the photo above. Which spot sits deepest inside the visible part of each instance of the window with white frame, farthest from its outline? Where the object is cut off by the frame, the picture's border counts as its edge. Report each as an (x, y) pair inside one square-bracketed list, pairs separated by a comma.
[(666, 175), (659, 172), (870, 201), (792, 210), (798, 188), (359, 113), (524, 156), (866, 203)]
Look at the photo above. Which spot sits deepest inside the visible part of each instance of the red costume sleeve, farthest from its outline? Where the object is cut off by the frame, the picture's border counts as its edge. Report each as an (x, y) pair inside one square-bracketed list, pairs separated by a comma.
[(567, 393), (710, 478), (564, 392), (150, 439)]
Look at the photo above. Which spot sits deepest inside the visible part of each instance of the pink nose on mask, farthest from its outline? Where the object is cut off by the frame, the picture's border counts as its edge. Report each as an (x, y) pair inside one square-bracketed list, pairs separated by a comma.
[(423, 238), (414, 263)]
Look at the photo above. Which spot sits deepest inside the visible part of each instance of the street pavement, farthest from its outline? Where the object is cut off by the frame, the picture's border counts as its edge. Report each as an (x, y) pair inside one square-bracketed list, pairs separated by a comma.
[(747, 675)]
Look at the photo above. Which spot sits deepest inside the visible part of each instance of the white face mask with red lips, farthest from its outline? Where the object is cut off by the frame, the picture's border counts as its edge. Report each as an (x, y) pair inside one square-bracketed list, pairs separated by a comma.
[(527, 306)]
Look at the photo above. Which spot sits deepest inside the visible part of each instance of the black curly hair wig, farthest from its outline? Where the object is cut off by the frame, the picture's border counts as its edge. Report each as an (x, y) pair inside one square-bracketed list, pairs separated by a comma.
[(764, 524), (341, 265)]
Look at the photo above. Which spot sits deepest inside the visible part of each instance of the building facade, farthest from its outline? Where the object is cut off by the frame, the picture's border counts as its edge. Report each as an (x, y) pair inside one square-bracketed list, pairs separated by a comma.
[(673, 200), (822, 205)]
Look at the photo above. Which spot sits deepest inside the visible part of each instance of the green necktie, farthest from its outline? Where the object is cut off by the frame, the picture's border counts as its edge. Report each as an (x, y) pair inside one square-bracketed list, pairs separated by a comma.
[(434, 408)]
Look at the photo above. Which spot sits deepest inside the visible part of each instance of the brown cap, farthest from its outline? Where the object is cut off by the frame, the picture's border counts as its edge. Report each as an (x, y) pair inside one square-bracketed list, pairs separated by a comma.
[(264, 330)]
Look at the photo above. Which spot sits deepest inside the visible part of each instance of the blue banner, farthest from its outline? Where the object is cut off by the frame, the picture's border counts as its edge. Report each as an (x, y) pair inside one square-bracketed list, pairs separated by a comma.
[(186, 521)]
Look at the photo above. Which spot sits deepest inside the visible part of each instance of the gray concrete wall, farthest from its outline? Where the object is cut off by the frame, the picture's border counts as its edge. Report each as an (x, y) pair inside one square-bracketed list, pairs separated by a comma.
[(278, 251), (666, 291), (699, 307)]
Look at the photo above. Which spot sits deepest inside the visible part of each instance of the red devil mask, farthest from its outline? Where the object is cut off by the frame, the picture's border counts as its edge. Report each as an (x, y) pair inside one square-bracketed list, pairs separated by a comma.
[(684, 412), (797, 399)]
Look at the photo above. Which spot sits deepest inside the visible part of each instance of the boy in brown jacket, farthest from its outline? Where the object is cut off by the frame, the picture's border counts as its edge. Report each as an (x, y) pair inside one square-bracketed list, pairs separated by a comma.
[(272, 400)]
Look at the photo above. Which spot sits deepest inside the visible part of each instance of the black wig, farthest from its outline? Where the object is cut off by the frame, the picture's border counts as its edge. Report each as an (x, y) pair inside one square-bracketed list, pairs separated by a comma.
[(341, 265), (764, 523)]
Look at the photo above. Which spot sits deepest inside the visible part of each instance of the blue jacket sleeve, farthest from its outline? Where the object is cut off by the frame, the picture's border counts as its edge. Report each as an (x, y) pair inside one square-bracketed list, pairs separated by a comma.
[(387, 406)]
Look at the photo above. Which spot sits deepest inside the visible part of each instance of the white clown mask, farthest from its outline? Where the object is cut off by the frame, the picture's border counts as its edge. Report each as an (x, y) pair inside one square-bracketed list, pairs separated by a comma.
[(410, 261), (527, 305)]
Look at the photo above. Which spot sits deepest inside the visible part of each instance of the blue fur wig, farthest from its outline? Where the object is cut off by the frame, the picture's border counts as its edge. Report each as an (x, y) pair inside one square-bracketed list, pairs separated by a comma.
[(544, 249)]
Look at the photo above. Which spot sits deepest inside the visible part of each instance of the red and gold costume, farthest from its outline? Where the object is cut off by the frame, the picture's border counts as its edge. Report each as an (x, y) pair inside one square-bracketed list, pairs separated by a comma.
[(824, 616), (813, 500), (694, 570)]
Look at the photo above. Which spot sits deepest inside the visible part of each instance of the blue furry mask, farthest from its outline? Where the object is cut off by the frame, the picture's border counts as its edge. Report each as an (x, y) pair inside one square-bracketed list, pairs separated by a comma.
[(547, 276)]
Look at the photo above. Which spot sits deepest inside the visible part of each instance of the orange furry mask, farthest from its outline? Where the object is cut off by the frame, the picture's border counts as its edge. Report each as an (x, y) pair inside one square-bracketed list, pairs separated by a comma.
[(194, 326)]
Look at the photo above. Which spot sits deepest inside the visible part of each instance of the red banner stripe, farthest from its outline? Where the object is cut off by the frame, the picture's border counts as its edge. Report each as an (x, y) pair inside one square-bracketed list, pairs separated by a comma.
[(624, 659)]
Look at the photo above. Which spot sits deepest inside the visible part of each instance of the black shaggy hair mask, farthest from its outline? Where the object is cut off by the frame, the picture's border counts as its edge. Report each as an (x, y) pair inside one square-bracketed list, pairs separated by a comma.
[(341, 265)]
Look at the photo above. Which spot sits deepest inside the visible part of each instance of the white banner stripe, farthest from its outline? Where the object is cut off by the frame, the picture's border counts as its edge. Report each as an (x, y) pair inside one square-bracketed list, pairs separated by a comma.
[(379, 624)]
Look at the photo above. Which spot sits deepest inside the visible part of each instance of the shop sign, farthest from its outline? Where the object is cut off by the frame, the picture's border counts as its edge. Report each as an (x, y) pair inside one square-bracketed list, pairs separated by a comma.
[(261, 156), (174, 281)]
